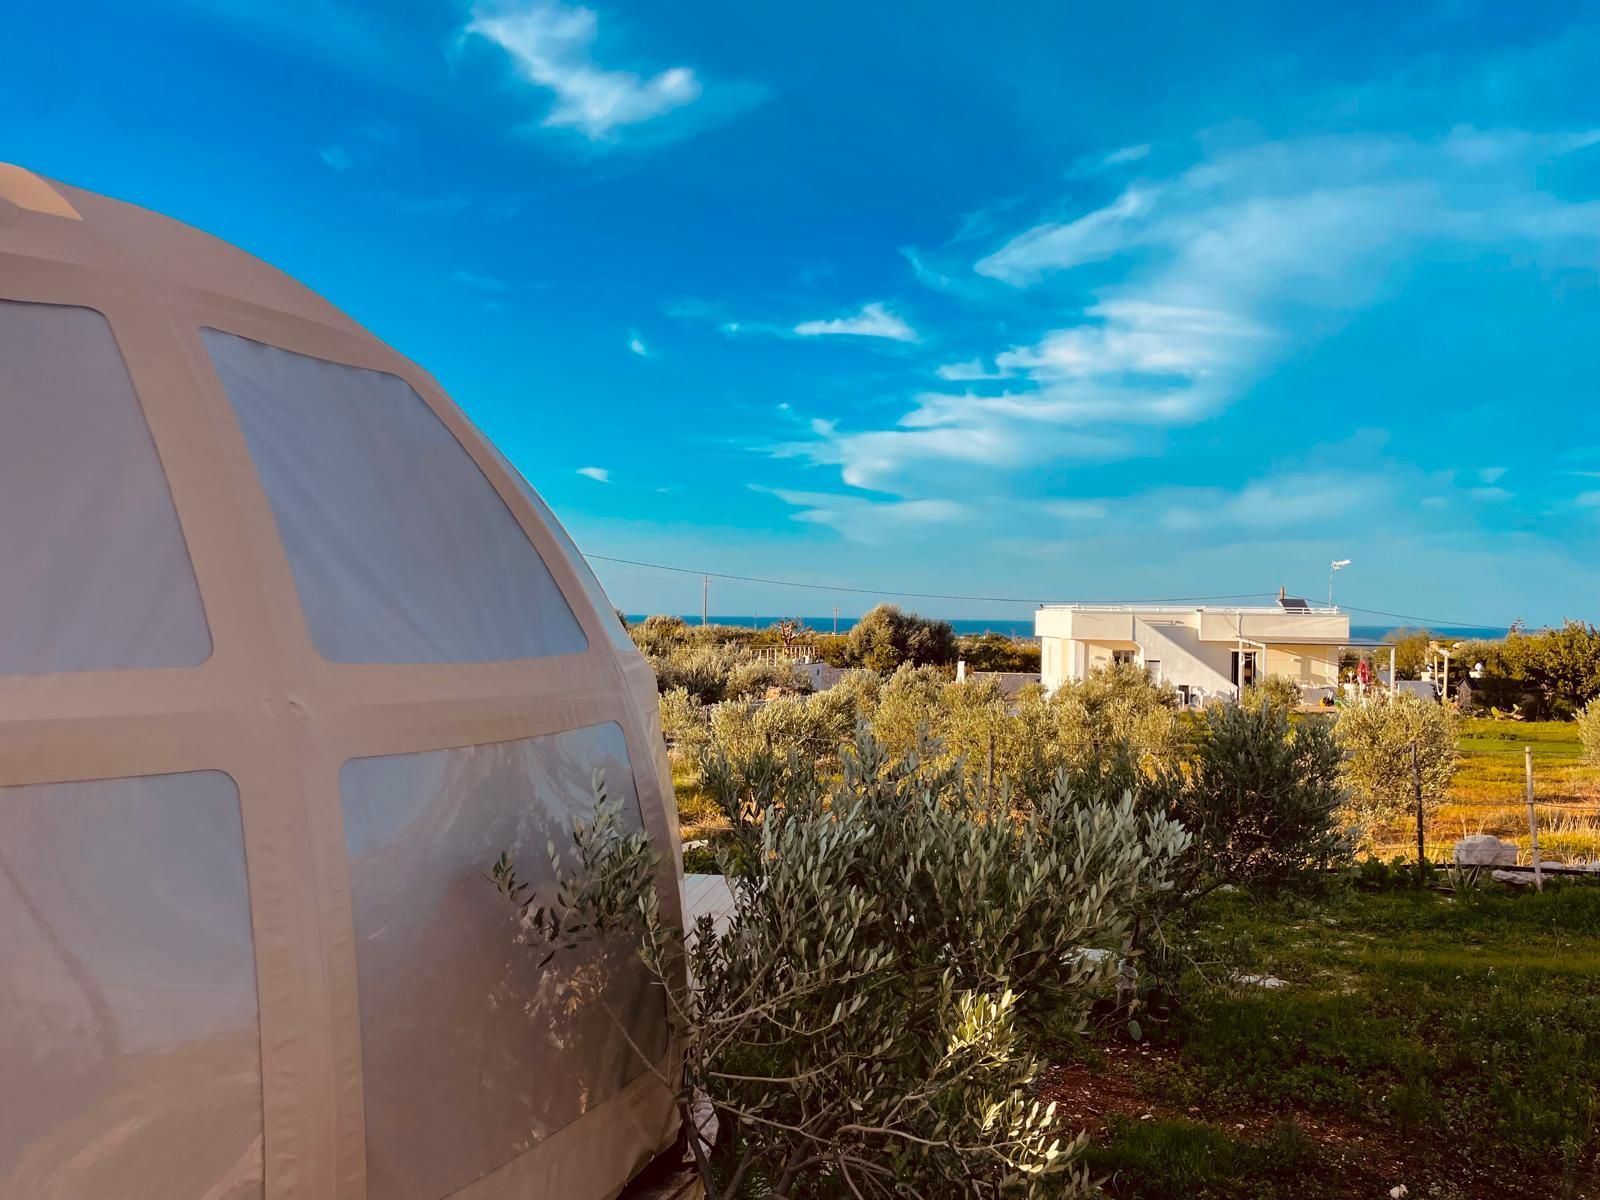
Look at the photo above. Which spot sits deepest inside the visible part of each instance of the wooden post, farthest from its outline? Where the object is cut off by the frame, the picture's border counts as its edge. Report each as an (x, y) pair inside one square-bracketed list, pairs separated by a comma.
[(1533, 820), (1416, 791)]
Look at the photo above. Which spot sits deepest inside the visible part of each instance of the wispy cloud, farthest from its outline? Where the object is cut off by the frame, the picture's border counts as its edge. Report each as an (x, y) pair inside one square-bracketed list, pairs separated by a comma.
[(598, 474), (870, 521), (1588, 500), (873, 321), (483, 283), (551, 46), (636, 346), (1280, 502), (1077, 510), (1223, 270), (1491, 474), (336, 157), (1127, 154)]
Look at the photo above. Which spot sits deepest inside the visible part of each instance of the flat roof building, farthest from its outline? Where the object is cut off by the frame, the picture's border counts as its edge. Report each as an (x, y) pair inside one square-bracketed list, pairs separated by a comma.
[(1204, 652)]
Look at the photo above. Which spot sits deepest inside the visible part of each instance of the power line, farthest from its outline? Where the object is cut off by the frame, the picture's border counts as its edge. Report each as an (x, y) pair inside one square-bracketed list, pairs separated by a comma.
[(865, 591), (1427, 621), (828, 587)]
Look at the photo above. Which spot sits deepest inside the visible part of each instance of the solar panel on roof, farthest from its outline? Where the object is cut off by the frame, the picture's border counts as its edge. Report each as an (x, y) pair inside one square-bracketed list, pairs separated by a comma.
[(1294, 603)]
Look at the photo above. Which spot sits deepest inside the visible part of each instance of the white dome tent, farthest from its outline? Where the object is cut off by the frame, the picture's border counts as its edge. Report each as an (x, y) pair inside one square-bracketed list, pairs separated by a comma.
[(288, 655)]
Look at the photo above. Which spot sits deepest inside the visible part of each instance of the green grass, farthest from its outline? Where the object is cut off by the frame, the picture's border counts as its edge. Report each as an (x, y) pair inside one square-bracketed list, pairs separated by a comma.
[(1487, 794), (1191, 1159), (1467, 1027)]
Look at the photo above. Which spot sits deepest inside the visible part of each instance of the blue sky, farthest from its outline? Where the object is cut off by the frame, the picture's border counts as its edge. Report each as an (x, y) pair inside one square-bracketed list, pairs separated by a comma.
[(1026, 300)]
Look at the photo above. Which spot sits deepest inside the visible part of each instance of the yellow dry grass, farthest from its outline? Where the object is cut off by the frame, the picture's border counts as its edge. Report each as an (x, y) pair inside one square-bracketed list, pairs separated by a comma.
[(1487, 794)]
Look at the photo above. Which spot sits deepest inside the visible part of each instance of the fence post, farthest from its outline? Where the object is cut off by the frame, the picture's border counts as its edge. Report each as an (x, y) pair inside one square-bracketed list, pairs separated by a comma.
[(1416, 791), (1533, 820)]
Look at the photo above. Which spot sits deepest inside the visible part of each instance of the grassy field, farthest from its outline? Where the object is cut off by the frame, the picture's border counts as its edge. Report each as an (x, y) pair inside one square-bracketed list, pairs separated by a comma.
[(1447, 1044), (1487, 794)]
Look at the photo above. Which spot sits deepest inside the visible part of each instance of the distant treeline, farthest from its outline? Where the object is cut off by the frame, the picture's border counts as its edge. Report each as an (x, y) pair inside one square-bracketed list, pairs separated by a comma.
[(1548, 674)]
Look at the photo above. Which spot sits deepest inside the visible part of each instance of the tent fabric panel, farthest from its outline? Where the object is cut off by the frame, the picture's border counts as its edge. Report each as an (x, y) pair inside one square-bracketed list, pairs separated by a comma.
[(587, 579), (94, 571), (128, 1009), (472, 1054), (401, 550)]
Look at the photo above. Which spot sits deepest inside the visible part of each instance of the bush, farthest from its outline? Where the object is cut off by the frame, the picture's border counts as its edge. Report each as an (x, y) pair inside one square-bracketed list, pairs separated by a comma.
[(862, 1018), (886, 637), (996, 652), (1261, 798), (684, 719), (1376, 736), (1589, 731), (1277, 690), (659, 634)]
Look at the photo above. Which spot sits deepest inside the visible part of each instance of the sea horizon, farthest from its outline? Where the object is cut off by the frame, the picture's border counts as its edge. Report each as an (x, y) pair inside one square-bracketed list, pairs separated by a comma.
[(1022, 627)]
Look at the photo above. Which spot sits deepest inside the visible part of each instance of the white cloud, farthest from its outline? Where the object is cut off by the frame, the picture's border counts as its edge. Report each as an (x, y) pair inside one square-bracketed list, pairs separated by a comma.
[(636, 346), (1280, 502), (1127, 154), (1077, 510), (598, 474), (873, 321), (1491, 494), (1588, 500), (336, 157), (860, 519), (1491, 474), (551, 47), (968, 372), (1224, 270), (484, 283)]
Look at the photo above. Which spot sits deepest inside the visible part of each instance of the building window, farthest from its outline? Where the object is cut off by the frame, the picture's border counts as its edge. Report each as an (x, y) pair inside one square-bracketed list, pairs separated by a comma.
[(1123, 658)]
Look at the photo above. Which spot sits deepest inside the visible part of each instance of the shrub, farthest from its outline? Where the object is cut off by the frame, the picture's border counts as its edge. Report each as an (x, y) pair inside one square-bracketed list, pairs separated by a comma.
[(1261, 798), (861, 1020), (1277, 690), (1589, 731), (996, 652), (908, 707), (886, 637), (1376, 736), (659, 634), (684, 719), (753, 678)]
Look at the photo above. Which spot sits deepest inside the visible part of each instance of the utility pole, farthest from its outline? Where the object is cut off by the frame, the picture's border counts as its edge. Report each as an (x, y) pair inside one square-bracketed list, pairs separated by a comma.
[(835, 620), (705, 598)]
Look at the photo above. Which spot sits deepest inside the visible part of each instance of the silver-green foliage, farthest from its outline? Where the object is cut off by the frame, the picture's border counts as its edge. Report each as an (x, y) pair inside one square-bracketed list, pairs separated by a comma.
[(1376, 736), (860, 1021), (1589, 730), (1261, 797)]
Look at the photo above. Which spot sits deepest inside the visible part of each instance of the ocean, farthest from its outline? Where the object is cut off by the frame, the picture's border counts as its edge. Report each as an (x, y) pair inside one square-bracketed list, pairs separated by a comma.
[(1023, 627)]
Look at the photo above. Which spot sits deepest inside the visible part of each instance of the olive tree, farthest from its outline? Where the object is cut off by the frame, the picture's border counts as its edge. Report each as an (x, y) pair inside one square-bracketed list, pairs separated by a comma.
[(1261, 798), (861, 1022), (1376, 736), (1589, 730)]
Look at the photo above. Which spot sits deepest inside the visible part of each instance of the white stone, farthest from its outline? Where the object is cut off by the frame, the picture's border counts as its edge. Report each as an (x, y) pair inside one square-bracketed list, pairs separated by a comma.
[(1265, 981), (1485, 850)]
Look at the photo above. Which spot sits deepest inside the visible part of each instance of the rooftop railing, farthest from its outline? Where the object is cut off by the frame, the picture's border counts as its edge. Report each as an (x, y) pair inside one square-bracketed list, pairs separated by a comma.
[(1190, 608)]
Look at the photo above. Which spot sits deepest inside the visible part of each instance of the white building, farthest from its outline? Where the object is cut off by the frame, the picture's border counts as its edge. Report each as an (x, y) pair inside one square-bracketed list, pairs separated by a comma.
[(1204, 652)]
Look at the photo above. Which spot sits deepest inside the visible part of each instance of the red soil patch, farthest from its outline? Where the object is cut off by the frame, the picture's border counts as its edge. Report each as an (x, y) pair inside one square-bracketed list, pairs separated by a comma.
[(1371, 1159)]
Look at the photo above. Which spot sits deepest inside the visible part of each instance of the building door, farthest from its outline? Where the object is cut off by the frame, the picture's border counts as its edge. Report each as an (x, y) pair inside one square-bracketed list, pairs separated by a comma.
[(1244, 668)]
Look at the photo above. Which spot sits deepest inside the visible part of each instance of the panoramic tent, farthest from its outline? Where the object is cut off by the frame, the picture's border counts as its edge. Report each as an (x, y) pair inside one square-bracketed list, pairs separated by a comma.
[(288, 655)]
